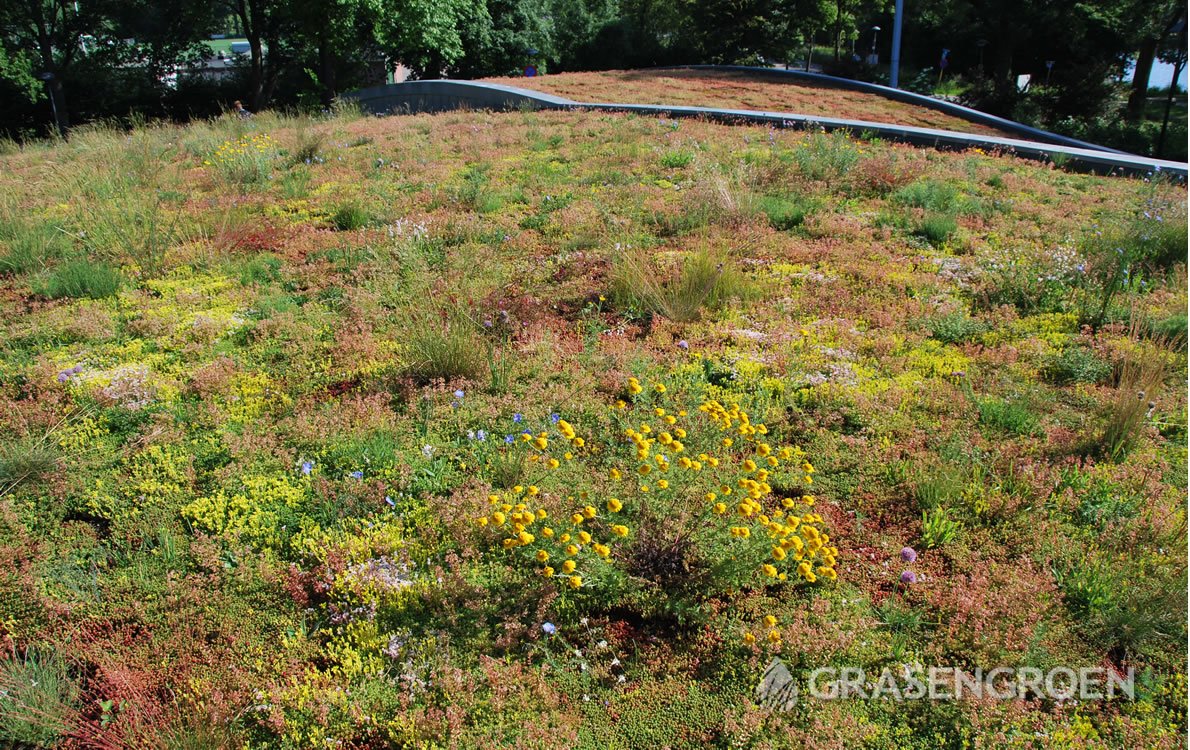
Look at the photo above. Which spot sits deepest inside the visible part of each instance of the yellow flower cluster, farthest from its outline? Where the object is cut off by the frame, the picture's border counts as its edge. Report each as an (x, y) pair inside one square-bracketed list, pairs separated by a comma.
[(704, 477), (736, 473), (565, 547), (230, 151)]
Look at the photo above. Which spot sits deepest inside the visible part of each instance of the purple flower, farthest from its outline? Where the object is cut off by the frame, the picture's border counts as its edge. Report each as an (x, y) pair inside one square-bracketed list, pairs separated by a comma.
[(459, 395), (908, 554), (481, 436), (517, 417), (76, 369), (549, 628), (554, 418), (908, 577), (683, 345), (357, 475), (63, 377), (307, 467), (391, 503), (510, 439)]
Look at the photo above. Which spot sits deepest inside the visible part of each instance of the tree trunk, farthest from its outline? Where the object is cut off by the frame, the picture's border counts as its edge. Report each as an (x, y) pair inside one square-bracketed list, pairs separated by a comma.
[(1140, 79)]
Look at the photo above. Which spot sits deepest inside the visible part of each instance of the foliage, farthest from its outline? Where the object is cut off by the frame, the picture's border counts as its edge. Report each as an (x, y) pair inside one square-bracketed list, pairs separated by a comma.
[(39, 700), (705, 280), (937, 528), (80, 278)]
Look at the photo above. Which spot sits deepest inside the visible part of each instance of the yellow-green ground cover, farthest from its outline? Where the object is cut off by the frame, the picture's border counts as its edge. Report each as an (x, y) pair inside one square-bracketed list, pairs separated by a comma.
[(552, 429), (740, 90)]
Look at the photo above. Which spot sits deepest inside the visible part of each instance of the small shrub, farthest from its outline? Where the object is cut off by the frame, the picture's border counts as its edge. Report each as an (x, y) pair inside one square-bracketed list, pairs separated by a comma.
[(1171, 329), (1075, 364), (936, 228), (263, 269), (705, 280), (677, 159), (37, 701), (81, 278), (1007, 415), (955, 328), (937, 528), (783, 214)]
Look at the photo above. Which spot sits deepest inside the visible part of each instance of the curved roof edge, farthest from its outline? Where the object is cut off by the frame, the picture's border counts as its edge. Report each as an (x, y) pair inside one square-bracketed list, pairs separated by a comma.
[(448, 95), (909, 97)]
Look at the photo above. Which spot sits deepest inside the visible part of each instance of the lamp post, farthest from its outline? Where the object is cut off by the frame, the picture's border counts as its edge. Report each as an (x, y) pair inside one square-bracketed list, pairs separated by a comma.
[(873, 58), (875, 31), (894, 68), (47, 77)]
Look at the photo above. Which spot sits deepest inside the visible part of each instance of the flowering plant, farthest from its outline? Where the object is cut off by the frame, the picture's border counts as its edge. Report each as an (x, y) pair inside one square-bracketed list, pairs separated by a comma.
[(680, 500)]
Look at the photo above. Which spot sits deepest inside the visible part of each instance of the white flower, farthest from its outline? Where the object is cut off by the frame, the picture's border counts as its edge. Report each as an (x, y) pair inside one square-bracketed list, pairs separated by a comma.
[(427, 451)]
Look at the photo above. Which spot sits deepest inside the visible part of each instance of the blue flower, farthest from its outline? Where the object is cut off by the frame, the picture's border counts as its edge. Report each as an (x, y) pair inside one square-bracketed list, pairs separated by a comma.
[(459, 395), (510, 439), (549, 628), (357, 475), (307, 467), (554, 418), (517, 417), (481, 436), (391, 503)]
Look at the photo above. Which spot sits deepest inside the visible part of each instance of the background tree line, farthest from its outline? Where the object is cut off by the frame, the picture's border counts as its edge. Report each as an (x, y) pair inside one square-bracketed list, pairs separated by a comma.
[(91, 59)]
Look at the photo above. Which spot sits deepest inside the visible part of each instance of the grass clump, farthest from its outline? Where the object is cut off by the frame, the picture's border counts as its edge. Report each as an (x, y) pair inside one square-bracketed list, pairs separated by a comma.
[(783, 214), (955, 328), (24, 461), (1075, 364), (26, 247), (677, 159), (81, 279), (37, 701), (444, 347), (349, 217), (1008, 416), (1142, 374), (928, 194), (705, 280), (936, 228)]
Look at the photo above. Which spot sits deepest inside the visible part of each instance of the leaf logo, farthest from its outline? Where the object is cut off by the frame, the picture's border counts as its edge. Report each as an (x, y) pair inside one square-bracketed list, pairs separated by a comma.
[(777, 689)]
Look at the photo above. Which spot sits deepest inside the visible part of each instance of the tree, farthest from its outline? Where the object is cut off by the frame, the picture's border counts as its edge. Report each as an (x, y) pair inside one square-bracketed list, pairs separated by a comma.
[(49, 34), (334, 35), (427, 35), (265, 23), (747, 31), (1154, 24)]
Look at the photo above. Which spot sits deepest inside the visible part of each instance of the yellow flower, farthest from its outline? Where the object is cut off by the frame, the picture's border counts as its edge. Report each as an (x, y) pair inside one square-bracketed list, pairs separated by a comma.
[(775, 636), (589, 512), (662, 483), (749, 638), (482, 521), (564, 538), (770, 621), (498, 518), (584, 537), (547, 571), (553, 462), (614, 505), (525, 538), (572, 549), (620, 530), (769, 570), (541, 442), (577, 518), (659, 387), (542, 556), (576, 582), (615, 474), (547, 532), (720, 509), (726, 442), (568, 567)]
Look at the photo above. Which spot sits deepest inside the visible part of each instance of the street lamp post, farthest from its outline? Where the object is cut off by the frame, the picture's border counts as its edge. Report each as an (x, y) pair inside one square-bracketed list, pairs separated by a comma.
[(875, 31), (894, 71)]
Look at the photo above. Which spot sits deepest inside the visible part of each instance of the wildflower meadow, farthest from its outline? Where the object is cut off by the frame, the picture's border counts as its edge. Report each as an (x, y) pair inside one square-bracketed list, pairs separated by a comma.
[(555, 429)]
